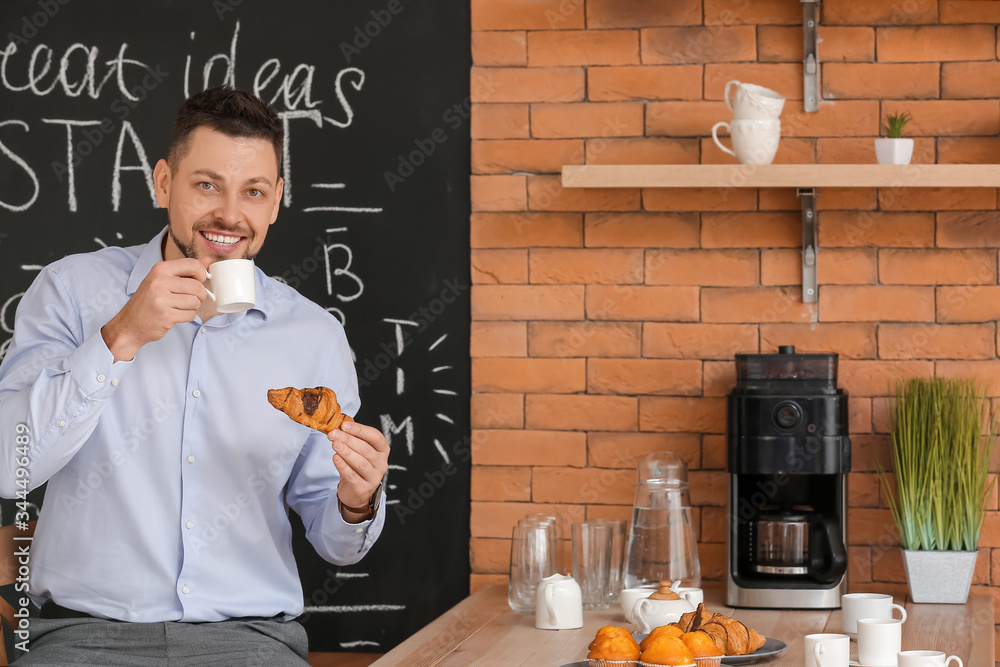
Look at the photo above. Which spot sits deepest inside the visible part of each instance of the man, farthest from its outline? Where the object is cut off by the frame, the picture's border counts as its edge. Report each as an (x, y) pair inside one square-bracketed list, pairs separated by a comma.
[(165, 530)]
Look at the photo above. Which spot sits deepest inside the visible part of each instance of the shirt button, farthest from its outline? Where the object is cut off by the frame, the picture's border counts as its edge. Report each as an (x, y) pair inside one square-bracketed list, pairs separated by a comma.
[(100, 378), (114, 382), (186, 589), (359, 530), (62, 422), (190, 459), (189, 524), (204, 329), (196, 393)]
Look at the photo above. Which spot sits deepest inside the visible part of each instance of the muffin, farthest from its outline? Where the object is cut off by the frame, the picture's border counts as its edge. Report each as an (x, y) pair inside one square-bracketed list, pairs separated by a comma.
[(614, 651), (667, 651), (610, 631), (660, 631), (706, 653)]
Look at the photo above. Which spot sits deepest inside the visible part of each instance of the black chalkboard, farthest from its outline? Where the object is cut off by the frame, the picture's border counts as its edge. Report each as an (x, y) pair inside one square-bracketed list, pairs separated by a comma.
[(374, 225)]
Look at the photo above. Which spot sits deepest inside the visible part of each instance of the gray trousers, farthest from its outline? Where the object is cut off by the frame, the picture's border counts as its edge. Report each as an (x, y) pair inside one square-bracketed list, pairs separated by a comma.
[(103, 643)]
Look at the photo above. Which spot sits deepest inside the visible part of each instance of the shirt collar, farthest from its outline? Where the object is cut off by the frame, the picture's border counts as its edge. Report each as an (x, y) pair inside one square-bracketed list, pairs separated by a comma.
[(153, 253)]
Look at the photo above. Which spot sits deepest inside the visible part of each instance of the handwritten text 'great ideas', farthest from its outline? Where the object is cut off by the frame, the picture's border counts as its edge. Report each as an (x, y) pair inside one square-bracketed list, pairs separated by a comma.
[(82, 70)]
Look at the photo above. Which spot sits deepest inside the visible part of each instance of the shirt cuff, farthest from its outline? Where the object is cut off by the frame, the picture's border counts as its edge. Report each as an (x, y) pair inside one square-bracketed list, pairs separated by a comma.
[(94, 368), (369, 528)]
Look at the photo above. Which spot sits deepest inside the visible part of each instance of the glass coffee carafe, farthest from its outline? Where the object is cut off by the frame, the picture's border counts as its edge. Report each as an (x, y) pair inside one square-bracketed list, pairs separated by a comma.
[(783, 544), (796, 542), (662, 545)]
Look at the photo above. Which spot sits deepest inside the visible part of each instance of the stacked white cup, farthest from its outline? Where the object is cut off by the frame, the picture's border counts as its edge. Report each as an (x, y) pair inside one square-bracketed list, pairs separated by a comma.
[(755, 129)]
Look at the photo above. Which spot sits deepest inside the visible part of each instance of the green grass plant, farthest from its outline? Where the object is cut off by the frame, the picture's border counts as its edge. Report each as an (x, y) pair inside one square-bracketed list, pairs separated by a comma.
[(894, 124), (941, 458)]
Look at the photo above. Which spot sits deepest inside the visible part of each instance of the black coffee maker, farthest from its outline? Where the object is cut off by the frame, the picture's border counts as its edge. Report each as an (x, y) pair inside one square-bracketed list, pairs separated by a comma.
[(789, 455)]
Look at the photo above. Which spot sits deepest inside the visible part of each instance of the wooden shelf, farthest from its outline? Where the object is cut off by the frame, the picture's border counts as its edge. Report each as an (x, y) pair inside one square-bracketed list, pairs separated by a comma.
[(804, 177), (781, 176)]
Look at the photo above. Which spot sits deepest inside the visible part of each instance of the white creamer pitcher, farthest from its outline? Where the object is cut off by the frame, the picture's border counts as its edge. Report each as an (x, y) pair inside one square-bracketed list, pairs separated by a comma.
[(559, 605)]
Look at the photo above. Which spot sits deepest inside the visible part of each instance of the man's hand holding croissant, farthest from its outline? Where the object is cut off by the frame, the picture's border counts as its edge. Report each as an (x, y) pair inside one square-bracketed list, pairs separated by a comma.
[(361, 455)]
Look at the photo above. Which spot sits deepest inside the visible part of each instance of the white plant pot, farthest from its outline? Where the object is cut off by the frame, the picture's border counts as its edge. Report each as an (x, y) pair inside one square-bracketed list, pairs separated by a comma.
[(939, 576), (893, 151)]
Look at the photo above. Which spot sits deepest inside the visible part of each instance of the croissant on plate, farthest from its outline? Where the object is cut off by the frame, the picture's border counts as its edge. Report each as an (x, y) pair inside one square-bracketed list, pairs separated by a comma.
[(316, 408), (731, 636)]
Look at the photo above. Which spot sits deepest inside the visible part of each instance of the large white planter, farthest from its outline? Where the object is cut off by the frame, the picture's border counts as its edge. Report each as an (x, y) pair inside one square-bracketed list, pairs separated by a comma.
[(893, 151), (939, 576)]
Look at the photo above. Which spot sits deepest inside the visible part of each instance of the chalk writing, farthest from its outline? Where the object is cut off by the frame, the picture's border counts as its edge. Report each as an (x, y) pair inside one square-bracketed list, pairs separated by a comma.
[(16, 159), (391, 428), (79, 74), (333, 271), (87, 81), (5, 324)]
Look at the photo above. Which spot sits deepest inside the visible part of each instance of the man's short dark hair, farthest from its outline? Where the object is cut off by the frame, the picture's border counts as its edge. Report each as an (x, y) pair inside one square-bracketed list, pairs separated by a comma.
[(234, 113)]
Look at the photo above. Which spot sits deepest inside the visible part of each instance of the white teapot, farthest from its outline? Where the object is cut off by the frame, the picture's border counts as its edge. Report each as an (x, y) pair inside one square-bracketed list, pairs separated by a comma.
[(558, 603), (665, 606)]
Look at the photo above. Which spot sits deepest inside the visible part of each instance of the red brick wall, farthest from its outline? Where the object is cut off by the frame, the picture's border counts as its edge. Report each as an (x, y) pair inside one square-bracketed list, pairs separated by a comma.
[(605, 321)]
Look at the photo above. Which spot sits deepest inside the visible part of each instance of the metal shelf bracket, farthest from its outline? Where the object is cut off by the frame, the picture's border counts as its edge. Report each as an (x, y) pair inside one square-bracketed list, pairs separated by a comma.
[(810, 57), (810, 245)]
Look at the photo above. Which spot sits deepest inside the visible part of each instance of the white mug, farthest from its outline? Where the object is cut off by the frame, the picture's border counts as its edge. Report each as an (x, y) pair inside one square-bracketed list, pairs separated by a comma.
[(879, 640), (827, 650), (233, 285), (559, 603), (629, 596), (866, 605), (926, 659), (754, 141), (753, 101)]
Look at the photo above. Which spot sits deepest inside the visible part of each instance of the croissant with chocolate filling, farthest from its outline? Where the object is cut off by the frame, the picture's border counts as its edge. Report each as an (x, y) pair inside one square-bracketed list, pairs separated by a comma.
[(316, 408), (731, 636)]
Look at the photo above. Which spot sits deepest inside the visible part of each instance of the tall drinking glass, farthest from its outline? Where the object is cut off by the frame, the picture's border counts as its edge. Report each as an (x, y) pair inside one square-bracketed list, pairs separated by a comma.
[(592, 562), (534, 554), (617, 556)]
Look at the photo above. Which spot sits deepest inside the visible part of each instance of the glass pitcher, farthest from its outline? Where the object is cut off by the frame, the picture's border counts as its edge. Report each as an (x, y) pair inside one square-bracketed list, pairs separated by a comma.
[(662, 545)]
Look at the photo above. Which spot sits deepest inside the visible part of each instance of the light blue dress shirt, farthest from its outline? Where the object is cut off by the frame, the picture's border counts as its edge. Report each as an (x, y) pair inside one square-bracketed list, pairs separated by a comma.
[(170, 476)]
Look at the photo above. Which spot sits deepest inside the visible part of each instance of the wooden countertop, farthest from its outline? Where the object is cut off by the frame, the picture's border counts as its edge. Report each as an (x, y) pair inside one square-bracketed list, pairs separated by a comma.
[(482, 630)]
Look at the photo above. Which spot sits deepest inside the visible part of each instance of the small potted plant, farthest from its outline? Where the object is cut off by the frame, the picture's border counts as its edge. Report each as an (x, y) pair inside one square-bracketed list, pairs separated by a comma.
[(893, 148), (941, 458)]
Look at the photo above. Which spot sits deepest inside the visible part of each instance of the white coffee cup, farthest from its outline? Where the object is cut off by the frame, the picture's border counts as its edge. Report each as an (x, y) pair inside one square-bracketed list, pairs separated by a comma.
[(754, 141), (926, 659), (827, 650), (753, 101), (233, 285), (866, 605), (629, 596), (879, 640)]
